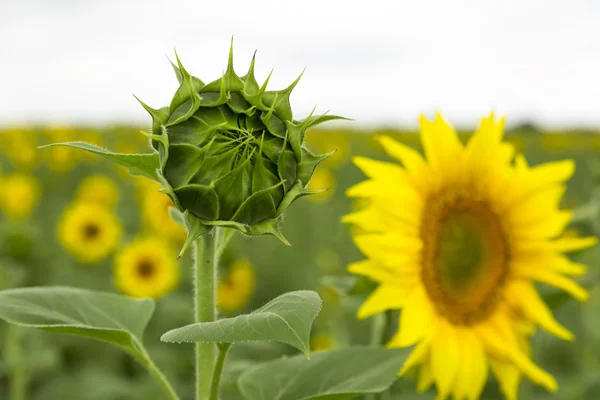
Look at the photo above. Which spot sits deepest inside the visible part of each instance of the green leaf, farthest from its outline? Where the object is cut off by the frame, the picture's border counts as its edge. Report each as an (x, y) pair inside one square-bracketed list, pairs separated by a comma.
[(137, 164), (102, 316), (338, 374), (286, 319)]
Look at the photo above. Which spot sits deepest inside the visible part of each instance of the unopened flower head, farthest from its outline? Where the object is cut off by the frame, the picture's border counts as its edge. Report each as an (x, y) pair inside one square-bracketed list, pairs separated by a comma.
[(231, 153)]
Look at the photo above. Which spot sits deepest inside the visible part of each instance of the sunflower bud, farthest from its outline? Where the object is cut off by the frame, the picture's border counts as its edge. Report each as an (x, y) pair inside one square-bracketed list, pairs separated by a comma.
[(230, 152)]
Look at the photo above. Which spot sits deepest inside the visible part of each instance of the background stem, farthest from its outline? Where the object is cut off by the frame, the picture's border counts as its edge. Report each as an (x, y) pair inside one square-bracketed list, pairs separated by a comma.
[(145, 359), (216, 379), (14, 356), (206, 262)]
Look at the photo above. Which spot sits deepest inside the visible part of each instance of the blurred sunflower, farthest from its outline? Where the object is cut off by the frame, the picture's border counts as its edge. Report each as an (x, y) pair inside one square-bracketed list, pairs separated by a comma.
[(91, 137), (322, 342), (455, 242), (60, 159), (235, 291), (19, 195), (322, 179), (155, 212), (331, 141), (20, 147), (146, 268), (98, 189), (89, 232)]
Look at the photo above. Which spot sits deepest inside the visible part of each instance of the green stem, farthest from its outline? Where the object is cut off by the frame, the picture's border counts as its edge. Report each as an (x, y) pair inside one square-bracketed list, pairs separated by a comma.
[(206, 262), (216, 379), (145, 359), (18, 374)]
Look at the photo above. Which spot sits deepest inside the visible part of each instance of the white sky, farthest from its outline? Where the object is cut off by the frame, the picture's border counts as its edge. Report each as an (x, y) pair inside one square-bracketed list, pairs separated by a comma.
[(375, 61)]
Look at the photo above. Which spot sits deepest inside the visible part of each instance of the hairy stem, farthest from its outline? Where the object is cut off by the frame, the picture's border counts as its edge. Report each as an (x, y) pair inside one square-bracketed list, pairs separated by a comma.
[(206, 263), (216, 379)]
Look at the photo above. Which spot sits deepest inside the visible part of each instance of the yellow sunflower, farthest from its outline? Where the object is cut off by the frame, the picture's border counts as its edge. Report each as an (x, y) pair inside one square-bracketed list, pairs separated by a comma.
[(455, 241), (146, 268), (98, 189), (155, 212), (60, 159), (235, 291), (19, 195), (20, 147), (89, 232), (322, 179), (331, 141), (322, 342)]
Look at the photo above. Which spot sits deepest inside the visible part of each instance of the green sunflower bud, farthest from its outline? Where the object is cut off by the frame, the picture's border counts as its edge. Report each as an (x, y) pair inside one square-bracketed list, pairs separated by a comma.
[(231, 153)]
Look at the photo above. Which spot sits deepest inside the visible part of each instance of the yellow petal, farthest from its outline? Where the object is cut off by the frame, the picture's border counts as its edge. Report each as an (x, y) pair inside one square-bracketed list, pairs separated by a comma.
[(442, 148), (444, 357), (368, 219), (425, 378), (473, 368), (533, 372), (374, 270), (508, 377), (416, 357), (385, 297), (505, 349), (536, 207), (550, 261), (525, 296), (409, 157), (415, 319), (566, 245), (381, 170), (529, 181), (552, 278), (551, 226), (389, 248)]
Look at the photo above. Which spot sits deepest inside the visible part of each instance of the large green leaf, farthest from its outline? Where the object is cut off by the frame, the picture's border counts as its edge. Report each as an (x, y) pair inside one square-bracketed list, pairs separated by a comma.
[(102, 316), (287, 319), (338, 374), (137, 164)]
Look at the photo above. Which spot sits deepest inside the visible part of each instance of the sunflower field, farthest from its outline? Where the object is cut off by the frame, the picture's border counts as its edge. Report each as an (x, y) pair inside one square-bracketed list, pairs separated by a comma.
[(70, 218)]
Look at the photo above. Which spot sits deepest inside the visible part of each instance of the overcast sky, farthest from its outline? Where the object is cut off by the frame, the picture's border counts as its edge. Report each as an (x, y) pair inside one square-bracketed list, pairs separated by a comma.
[(380, 62)]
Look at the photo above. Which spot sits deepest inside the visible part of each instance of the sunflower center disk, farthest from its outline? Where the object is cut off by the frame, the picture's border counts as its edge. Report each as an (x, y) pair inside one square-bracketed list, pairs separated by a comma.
[(91, 231), (145, 269), (464, 257)]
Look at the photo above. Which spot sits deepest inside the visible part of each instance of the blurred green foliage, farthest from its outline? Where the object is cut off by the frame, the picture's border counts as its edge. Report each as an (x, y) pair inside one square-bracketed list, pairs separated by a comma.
[(63, 367)]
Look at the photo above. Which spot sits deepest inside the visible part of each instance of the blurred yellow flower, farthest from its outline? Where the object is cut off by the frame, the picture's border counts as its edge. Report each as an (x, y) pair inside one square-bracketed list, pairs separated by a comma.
[(98, 189), (155, 212), (331, 141), (20, 147), (146, 267), (91, 137), (322, 342), (89, 231), (322, 179), (60, 159), (20, 194), (234, 292)]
